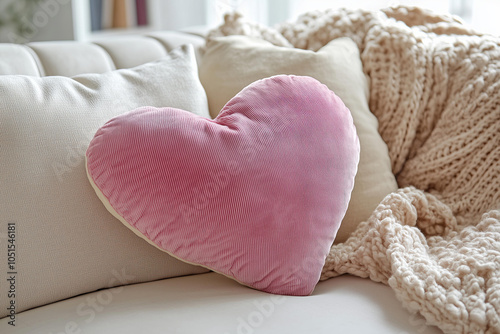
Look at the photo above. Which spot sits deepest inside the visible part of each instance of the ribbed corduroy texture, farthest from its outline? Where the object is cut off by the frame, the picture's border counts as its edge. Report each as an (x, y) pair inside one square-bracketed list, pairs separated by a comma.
[(435, 89), (257, 194), (231, 63)]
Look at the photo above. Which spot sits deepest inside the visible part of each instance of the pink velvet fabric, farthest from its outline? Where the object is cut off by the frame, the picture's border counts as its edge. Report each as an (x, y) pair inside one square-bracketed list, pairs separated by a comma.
[(256, 194)]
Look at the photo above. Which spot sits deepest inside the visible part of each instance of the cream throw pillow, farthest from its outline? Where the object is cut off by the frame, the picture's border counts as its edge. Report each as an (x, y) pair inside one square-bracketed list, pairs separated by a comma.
[(231, 63), (67, 243)]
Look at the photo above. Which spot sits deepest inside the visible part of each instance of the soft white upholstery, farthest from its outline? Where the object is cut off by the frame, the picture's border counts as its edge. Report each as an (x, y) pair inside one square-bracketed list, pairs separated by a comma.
[(72, 58), (145, 50), (19, 59), (205, 303), (211, 303)]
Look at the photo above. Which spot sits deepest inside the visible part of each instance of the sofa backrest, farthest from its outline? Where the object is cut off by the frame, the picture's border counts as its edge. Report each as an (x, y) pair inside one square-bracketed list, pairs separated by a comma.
[(69, 58), (71, 243)]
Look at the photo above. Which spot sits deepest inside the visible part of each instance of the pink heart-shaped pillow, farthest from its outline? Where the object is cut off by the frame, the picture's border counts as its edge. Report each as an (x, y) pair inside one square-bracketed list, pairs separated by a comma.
[(256, 194)]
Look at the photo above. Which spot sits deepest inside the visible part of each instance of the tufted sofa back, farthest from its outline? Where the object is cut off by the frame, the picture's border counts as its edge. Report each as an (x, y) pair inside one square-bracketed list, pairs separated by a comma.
[(69, 58)]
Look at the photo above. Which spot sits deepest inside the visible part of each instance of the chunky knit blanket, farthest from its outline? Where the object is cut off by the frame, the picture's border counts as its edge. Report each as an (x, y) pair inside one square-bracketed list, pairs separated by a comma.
[(435, 89)]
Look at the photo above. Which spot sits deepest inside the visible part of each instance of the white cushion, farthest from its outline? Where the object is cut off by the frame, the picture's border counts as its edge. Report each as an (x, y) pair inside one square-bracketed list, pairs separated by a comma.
[(231, 63), (213, 304), (67, 242)]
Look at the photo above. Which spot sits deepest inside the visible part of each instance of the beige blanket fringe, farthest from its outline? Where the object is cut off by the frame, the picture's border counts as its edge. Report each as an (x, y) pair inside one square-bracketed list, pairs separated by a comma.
[(435, 89)]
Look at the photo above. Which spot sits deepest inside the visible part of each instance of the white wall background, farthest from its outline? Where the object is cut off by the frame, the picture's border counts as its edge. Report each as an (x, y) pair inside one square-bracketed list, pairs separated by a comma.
[(69, 19)]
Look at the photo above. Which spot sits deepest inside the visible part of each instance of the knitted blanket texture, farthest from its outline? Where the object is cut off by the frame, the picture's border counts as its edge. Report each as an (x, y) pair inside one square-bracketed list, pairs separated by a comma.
[(435, 89)]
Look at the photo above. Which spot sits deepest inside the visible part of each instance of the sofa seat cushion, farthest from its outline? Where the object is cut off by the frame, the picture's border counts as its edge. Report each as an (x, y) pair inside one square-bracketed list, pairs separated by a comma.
[(211, 303)]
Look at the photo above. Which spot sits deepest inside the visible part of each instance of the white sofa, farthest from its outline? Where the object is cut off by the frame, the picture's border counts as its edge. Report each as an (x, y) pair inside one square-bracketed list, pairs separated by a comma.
[(198, 303)]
